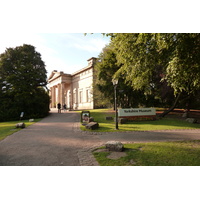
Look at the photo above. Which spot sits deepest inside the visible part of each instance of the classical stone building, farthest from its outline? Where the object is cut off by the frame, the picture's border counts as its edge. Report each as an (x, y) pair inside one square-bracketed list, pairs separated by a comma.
[(75, 90)]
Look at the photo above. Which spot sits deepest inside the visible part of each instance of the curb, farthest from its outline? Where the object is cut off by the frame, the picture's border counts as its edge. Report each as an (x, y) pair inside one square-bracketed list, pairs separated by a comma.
[(86, 157)]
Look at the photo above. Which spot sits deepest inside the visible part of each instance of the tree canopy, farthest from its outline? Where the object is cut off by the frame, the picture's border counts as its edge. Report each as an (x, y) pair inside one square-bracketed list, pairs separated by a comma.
[(159, 64), (176, 54), (22, 82), (105, 70)]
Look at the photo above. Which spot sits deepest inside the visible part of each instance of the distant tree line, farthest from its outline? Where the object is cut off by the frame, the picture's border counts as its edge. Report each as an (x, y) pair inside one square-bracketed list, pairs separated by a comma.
[(23, 83), (154, 69)]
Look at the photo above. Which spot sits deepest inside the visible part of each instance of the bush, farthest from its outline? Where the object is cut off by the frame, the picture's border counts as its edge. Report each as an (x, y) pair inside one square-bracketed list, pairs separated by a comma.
[(35, 105)]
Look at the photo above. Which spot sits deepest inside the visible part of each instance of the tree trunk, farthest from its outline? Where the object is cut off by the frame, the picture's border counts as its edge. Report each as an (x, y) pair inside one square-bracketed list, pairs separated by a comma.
[(172, 108), (187, 106)]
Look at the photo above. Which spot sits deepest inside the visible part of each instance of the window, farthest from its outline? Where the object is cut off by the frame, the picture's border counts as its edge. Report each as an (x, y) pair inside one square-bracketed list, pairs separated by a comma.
[(87, 95), (74, 96), (80, 96)]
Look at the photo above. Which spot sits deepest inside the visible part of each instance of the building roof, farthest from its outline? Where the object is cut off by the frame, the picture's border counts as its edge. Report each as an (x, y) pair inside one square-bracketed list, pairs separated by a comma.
[(55, 74)]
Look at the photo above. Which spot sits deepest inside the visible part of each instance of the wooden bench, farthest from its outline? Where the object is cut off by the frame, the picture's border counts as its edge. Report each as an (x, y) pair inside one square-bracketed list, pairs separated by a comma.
[(92, 125)]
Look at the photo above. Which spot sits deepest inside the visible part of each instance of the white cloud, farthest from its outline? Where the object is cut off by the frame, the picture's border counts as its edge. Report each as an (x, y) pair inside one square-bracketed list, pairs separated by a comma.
[(8, 40), (17, 39), (92, 45), (66, 52), (91, 42)]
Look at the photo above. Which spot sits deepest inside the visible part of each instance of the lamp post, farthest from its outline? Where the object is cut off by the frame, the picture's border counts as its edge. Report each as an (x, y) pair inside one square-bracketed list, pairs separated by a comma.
[(115, 82)]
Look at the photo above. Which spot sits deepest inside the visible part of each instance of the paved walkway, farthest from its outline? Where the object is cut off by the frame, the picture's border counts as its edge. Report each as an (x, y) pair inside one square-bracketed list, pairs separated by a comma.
[(54, 141), (57, 141)]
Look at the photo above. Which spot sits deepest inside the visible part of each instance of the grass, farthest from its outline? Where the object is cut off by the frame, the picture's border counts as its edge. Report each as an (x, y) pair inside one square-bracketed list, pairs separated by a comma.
[(162, 124), (8, 128), (182, 153)]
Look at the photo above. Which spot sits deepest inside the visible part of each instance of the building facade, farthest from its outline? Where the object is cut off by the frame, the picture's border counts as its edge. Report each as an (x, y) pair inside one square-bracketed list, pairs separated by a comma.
[(74, 90)]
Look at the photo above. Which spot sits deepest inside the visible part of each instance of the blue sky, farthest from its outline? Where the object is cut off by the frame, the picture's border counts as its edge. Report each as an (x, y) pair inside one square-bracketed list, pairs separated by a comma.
[(66, 52)]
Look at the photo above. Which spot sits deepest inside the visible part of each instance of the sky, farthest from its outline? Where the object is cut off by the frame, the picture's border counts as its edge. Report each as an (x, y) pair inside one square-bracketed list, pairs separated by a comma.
[(67, 52), (57, 28)]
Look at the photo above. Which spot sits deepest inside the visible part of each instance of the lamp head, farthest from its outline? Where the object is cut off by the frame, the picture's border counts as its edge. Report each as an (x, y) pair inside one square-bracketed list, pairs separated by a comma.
[(115, 81)]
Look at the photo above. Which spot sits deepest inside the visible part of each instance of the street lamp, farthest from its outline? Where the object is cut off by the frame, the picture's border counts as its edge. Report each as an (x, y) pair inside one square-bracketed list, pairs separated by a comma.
[(115, 82)]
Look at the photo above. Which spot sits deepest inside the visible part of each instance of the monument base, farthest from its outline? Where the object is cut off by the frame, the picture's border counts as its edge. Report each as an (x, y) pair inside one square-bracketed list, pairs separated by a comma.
[(139, 118)]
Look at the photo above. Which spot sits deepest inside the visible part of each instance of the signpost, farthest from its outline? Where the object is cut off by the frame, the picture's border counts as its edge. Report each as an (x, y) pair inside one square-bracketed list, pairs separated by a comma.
[(21, 115), (137, 113), (85, 115), (115, 83)]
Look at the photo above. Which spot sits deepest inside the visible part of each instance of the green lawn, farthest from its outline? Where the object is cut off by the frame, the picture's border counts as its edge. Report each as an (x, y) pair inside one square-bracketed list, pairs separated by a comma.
[(8, 128), (162, 124), (184, 153)]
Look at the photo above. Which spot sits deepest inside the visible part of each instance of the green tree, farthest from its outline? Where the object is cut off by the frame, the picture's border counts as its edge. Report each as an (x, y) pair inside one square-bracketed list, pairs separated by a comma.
[(183, 68), (173, 57), (22, 83), (105, 69)]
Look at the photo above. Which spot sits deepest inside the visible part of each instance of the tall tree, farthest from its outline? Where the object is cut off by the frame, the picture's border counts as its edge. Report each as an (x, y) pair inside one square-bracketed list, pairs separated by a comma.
[(105, 69), (183, 68), (22, 81), (175, 56)]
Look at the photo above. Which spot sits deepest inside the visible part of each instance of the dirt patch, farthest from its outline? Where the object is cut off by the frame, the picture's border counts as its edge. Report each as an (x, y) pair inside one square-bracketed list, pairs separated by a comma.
[(116, 155), (132, 162), (113, 154), (101, 150)]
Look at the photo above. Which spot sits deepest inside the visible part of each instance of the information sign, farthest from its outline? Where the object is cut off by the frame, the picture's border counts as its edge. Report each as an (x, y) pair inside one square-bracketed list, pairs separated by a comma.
[(22, 114), (134, 113), (85, 115)]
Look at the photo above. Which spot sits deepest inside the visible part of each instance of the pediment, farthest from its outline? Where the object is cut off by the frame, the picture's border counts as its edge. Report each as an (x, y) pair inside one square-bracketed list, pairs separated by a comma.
[(53, 75)]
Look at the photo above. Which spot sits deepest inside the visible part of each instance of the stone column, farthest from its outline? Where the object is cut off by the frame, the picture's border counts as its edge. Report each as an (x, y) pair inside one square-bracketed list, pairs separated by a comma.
[(56, 95), (58, 100), (69, 99), (53, 98), (50, 94), (62, 95), (71, 96)]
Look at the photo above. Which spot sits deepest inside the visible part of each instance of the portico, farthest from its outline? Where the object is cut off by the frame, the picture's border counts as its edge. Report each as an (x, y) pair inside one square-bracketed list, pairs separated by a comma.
[(74, 90)]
